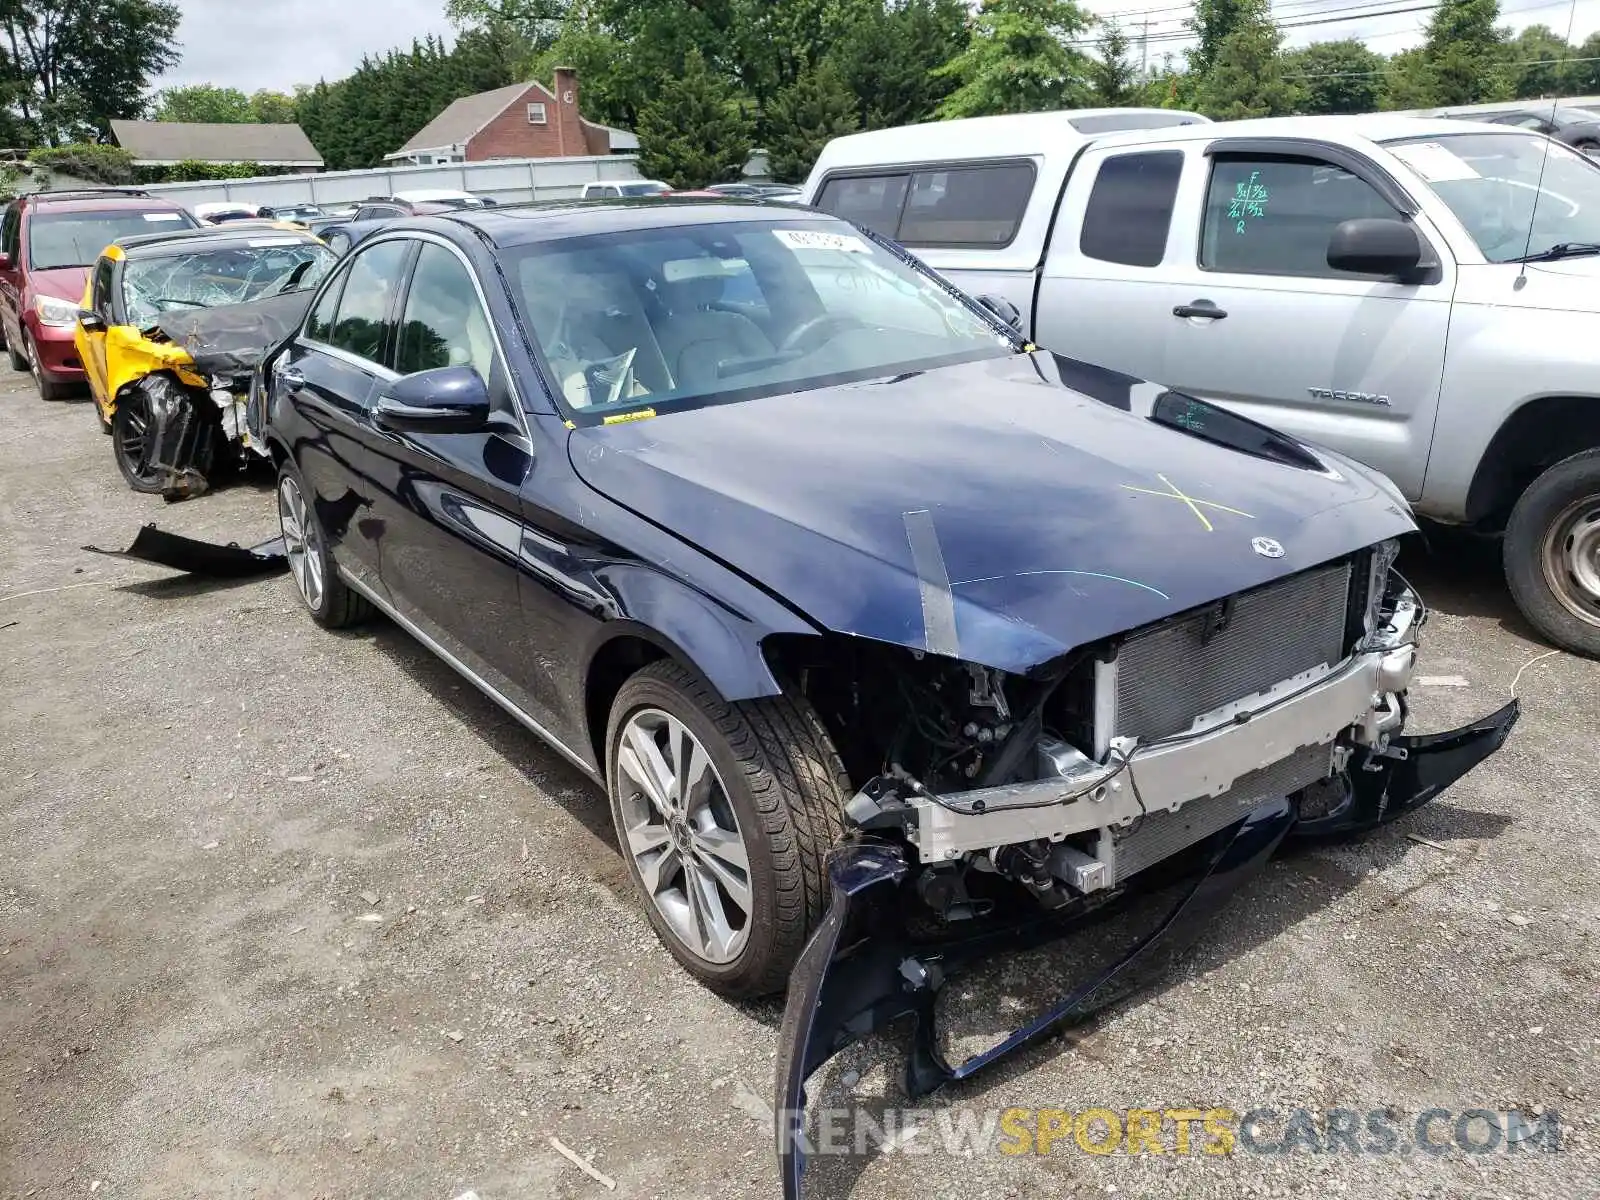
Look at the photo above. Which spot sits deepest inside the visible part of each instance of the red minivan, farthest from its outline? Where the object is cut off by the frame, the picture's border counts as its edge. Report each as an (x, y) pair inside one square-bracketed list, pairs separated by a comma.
[(48, 242)]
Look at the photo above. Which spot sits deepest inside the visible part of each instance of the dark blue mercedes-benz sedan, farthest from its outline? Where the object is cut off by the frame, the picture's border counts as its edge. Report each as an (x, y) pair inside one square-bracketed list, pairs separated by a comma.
[(891, 637)]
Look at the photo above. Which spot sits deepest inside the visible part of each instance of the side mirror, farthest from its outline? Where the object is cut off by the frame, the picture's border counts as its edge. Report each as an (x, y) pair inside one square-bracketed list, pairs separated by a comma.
[(1375, 246), (1002, 308), (90, 320), (443, 400)]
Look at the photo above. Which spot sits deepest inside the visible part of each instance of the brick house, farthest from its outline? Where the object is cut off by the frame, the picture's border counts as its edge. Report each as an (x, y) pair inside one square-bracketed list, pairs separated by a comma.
[(525, 120)]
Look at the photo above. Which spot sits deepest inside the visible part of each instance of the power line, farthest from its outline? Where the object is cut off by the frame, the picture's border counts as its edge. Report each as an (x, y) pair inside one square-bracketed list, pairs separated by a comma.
[(1371, 10), (1527, 62)]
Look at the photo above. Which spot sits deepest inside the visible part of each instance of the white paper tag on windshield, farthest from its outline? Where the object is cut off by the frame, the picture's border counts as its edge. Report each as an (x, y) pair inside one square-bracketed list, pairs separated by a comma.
[(163, 216), (806, 239), (1434, 162), (263, 243)]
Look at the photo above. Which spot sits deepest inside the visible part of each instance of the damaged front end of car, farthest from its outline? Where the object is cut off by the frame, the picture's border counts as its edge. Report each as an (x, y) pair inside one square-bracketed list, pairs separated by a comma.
[(188, 417), (1003, 811)]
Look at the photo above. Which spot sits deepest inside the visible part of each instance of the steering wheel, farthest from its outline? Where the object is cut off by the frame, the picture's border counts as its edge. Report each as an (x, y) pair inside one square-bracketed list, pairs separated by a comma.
[(806, 328)]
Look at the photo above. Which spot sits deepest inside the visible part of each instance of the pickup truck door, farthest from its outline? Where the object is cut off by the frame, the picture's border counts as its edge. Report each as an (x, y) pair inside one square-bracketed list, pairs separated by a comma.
[(1257, 320)]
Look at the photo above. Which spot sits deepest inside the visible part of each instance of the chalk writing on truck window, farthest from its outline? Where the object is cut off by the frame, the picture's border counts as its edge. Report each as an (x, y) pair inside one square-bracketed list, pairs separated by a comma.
[(1249, 201)]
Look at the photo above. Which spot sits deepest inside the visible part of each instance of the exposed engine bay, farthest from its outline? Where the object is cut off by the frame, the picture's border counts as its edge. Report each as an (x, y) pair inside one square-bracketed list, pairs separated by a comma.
[(999, 810)]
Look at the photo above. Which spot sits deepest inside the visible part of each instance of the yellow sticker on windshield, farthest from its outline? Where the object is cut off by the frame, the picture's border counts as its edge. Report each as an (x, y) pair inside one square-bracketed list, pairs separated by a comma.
[(644, 414)]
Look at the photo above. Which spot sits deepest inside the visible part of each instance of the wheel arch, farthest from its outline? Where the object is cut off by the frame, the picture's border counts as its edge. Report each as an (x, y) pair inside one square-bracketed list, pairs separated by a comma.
[(1540, 433)]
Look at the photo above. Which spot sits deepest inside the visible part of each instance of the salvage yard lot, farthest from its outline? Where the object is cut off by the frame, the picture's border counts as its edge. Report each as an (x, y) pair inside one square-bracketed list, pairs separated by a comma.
[(288, 913)]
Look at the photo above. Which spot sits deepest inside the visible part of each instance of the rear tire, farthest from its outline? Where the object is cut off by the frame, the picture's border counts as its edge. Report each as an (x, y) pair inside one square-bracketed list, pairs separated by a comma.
[(1552, 554), (330, 601), (775, 793)]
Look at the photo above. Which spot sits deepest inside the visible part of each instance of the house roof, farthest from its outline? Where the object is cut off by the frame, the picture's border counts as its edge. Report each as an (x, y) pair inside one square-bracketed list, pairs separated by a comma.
[(465, 117), (158, 142)]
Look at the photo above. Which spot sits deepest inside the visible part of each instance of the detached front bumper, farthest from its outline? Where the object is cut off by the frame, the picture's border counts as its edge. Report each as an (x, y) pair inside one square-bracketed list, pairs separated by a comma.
[(861, 970)]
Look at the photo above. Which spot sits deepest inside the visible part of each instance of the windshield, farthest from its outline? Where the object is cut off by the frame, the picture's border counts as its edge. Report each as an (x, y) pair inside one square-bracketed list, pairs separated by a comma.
[(664, 318), (1491, 180), (75, 239), (208, 278)]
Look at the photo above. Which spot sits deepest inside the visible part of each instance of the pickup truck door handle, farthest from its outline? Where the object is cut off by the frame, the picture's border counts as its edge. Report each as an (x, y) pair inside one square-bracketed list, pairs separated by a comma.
[(1200, 308)]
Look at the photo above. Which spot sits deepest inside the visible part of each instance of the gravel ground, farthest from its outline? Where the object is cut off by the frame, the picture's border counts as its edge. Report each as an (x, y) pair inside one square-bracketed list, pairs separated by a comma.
[(287, 913)]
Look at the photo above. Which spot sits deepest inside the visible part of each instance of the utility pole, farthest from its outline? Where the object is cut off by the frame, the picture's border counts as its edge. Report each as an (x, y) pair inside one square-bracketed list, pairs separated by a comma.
[(1144, 51)]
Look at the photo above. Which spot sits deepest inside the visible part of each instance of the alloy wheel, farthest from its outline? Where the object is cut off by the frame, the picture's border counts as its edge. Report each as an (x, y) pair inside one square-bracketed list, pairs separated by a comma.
[(306, 560), (683, 836), (1571, 558), (132, 438)]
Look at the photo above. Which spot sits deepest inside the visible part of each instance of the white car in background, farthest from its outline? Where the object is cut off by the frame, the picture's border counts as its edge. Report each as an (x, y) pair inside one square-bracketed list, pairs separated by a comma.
[(618, 188)]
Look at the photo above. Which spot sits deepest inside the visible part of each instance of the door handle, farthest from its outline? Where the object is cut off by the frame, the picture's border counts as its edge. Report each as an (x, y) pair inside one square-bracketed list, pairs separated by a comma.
[(1200, 308), (291, 378)]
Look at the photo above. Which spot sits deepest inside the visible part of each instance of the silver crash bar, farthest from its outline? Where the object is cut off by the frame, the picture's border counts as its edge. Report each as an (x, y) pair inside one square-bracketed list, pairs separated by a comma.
[(1077, 794)]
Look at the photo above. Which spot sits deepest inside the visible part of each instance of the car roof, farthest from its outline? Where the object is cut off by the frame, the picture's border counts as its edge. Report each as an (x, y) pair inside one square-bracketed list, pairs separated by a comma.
[(220, 237), (1370, 127), (1010, 136), (108, 202), (509, 225)]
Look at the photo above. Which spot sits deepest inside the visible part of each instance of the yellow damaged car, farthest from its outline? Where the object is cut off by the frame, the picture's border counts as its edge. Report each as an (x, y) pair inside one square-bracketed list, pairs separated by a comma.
[(170, 331)]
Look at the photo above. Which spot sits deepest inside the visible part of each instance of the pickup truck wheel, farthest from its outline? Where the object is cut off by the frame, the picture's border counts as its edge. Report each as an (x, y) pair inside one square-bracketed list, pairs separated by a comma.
[(1552, 553), (331, 602), (725, 814)]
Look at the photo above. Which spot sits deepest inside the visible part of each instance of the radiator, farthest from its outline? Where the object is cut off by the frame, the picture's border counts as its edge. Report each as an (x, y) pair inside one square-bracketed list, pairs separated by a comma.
[(1164, 833), (1174, 672)]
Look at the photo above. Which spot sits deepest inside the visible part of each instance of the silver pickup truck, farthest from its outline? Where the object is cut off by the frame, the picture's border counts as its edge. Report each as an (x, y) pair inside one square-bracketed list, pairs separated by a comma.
[(1420, 294)]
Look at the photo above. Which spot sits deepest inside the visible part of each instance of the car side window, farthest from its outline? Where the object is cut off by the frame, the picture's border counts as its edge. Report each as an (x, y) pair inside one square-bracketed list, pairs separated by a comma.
[(444, 322), (319, 325), (1274, 215), (872, 201), (361, 321), (100, 294), (970, 206), (10, 227), (1130, 208)]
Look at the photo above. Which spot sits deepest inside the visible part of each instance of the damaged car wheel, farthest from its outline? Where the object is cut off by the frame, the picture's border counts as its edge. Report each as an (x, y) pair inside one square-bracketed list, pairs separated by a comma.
[(333, 605), (725, 813), (132, 442)]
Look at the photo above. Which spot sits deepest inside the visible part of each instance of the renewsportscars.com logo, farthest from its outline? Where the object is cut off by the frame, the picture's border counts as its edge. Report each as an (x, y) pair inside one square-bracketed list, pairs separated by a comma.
[(1222, 1131)]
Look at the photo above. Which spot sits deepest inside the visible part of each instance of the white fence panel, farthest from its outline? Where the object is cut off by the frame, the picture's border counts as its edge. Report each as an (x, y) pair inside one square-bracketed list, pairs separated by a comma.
[(507, 180)]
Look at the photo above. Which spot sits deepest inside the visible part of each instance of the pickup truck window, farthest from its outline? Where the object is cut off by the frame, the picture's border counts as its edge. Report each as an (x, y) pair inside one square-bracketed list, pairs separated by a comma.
[(1274, 216), (1130, 208), (954, 206), (1491, 180)]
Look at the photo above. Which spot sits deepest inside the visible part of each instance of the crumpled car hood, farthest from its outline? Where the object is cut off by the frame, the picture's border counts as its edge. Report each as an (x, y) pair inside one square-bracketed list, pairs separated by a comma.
[(1002, 512), (232, 338)]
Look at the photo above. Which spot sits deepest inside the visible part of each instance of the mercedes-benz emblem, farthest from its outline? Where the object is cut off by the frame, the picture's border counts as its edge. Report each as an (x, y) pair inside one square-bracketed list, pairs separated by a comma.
[(1267, 547)]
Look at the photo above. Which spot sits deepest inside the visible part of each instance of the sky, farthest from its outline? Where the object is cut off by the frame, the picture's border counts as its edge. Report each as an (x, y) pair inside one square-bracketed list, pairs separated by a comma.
[(279, 43)]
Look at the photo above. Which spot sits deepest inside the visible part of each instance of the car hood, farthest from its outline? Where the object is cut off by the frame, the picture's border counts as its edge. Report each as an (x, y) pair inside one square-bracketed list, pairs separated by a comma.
[(65, 283), (1001, 512), (230, 339)]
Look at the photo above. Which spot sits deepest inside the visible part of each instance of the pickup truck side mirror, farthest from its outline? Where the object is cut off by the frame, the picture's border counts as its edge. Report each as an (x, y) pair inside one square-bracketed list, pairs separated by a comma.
[(1002, 308), (1375, 246), (90, 320), (452, 399)]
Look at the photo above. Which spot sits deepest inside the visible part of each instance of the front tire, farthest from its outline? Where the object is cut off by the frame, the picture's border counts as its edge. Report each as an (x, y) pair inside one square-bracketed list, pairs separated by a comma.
[(49, 389), (725, 814), (330, 601), (131, 433), (1552, 553)]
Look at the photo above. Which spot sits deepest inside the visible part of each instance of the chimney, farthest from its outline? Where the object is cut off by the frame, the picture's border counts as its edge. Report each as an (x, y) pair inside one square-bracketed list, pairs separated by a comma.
[(569, 129)]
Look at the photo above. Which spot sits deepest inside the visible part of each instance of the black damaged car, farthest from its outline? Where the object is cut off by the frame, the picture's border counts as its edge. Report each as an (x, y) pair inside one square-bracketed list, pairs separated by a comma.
[(894, 640)]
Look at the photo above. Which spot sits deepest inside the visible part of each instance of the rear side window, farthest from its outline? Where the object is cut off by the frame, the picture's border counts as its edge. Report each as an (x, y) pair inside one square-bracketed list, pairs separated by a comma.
[(1130, 208), (361, 324), (976, 207)]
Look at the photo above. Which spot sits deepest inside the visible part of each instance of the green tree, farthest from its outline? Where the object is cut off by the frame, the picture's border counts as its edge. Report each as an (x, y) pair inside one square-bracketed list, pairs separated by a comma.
[(1537, 63), (888, 55), (1466, 52), (1020, 59), (1112, 74), (78, 64), (1336, 77), (1246, 76), (204, 103), (1583, 77), (1213, 22), (1409, 82), (804, 117), (272, 108), (693, 132)]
